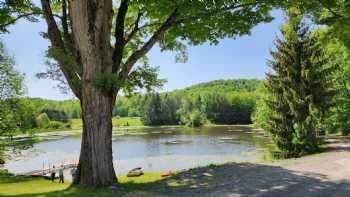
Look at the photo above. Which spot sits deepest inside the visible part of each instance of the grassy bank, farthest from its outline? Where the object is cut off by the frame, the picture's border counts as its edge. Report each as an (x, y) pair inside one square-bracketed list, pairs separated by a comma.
[(26, 186), (76, 124), (117, 122)]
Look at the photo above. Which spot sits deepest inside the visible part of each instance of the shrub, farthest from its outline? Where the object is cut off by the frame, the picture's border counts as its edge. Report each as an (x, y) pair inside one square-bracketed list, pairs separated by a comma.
[(196, 119), (59, 125), (4, 172), (43, 120)]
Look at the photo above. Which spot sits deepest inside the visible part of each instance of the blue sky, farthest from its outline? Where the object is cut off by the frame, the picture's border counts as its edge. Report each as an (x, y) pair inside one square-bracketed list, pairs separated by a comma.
[(243, 57)]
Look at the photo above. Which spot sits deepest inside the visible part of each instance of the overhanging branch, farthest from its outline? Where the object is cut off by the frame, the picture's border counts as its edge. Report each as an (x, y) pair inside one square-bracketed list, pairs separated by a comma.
[(218, 11), (14, 20), (123, 75), (135, 28), (329, 9), (204, 14)]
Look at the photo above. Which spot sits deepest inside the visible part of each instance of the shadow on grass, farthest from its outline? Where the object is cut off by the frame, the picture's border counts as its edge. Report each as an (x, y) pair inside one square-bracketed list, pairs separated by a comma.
[(236, 179)]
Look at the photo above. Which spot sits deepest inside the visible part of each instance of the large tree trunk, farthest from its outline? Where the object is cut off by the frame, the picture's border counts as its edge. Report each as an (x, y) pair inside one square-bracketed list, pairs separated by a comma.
[(96, 162), (91, 22)]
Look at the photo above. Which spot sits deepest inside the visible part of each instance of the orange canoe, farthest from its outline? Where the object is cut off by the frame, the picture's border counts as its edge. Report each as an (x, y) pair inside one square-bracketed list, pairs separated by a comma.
[(167, 173)]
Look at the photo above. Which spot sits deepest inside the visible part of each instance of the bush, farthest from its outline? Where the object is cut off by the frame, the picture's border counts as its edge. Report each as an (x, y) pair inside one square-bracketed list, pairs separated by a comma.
[(4, 172), (59, 125), (196, 119), (43, 120), (2, 160), (57, 115)]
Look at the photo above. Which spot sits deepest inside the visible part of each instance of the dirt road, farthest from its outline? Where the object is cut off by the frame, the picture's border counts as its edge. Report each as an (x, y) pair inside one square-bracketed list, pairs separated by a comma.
[(326, 174)]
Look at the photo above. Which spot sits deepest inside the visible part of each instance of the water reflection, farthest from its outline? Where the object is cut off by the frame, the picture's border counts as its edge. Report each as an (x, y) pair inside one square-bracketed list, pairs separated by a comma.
[(154, 149)]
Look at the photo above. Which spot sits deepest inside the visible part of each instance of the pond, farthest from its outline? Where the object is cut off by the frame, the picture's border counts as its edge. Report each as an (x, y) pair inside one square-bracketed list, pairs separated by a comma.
[(154, 149)]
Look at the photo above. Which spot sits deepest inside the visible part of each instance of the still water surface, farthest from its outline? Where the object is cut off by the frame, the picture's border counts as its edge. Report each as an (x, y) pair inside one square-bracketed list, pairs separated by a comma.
[(154, 149)]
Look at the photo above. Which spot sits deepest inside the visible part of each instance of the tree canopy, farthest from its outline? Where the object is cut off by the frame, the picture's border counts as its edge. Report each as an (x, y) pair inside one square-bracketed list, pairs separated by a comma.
[(11, 87)]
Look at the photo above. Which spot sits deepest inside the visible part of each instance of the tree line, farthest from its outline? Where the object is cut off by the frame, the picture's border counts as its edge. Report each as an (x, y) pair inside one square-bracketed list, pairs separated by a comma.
[(233, 103), (197, 109)]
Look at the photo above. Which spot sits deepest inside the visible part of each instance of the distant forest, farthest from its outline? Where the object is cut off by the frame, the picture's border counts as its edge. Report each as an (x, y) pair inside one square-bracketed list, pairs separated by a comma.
[(218, 102)]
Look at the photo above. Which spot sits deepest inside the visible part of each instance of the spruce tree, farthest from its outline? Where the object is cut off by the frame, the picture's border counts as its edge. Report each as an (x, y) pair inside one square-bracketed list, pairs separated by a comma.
[(152, 110), (299, 88)]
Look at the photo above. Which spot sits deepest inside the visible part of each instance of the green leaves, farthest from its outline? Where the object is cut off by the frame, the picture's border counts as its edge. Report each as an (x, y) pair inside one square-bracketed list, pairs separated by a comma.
[(143, 77), (13, 10), (107, 81), (11, 83)]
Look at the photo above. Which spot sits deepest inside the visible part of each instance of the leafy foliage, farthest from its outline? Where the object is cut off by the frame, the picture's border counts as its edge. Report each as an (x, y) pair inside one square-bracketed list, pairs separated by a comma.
[(143, 77), (12, 10), (11, 83), (335, 14), (337, 119), (106, 81), (11, 87), (43, 120), (196, 22)]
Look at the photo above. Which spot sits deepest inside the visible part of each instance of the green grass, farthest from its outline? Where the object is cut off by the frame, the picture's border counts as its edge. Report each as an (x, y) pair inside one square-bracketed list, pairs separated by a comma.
[(127, 121), (20, 186), (138, 183), (24, 186), (117, 122)]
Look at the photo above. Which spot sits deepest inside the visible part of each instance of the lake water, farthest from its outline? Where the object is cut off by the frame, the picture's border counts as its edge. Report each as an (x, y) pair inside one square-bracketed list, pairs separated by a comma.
[(154, 149)]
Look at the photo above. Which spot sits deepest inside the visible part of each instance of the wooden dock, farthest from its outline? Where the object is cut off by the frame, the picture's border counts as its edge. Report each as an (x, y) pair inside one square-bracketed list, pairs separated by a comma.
[(50, 168)]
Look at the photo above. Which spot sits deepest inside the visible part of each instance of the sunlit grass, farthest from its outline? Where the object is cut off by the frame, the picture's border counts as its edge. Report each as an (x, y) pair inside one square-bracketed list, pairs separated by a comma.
[(146, 178), (117, 122), (26, 186), (21, 186), (127, 121)]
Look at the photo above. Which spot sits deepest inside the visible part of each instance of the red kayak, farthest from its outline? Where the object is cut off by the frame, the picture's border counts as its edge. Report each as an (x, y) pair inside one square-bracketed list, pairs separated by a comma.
[(167, 173)]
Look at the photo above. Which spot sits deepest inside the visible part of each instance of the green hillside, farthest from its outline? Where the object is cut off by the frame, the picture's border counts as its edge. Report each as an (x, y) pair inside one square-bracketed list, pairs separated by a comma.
[(232, 85)]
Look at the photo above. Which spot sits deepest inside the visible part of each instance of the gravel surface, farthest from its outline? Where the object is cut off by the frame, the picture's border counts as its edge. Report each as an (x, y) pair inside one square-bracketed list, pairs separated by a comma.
[(326, 174)]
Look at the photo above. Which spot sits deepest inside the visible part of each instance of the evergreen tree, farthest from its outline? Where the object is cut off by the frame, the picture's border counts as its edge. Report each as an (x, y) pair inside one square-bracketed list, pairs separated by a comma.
[(299, 88), (169, 108), (152, 110)]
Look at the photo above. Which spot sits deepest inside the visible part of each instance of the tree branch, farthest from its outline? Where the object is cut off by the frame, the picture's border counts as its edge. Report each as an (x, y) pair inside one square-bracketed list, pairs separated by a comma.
[(57, 43), (53, 31), (3, 26), (119, 35), (13, 21), (172, 19), (329, 9), (65, 23), (135, 29), (218, 11), (148, 45), (68, 36)]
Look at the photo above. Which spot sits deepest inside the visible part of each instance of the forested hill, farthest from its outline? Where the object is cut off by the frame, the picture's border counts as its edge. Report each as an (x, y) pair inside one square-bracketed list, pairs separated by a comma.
[(225, 86), (221, 101)]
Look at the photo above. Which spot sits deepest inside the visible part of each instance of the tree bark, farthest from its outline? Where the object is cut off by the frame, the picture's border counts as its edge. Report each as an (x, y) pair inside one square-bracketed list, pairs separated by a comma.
[(92, 21), (96, 161)]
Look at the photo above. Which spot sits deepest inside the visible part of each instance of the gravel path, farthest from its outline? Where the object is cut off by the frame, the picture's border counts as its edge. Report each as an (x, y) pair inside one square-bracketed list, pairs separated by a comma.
[(326, 174)]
